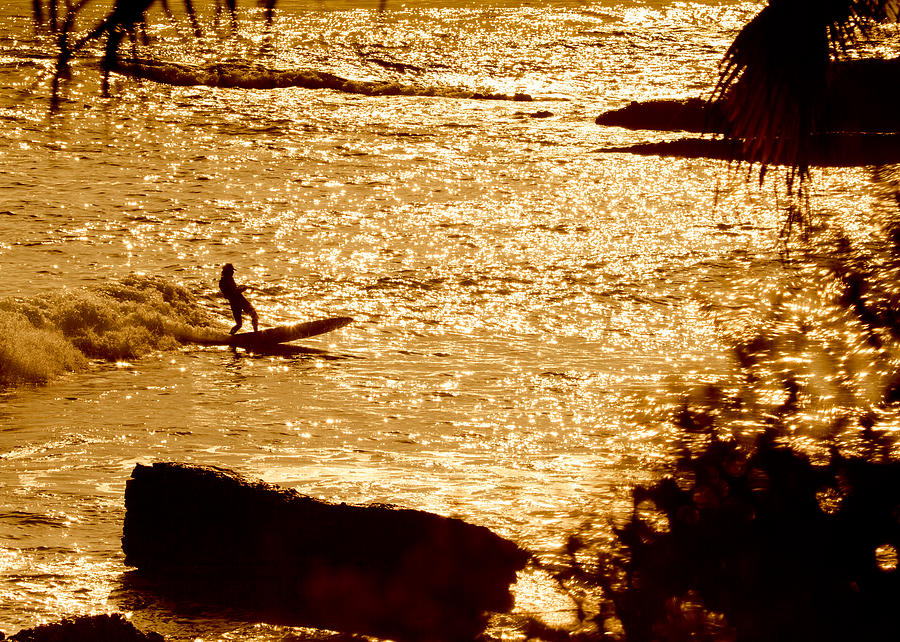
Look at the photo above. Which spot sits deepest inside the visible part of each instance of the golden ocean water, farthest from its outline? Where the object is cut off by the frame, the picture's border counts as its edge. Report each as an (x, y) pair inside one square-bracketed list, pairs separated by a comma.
[(527, 309)]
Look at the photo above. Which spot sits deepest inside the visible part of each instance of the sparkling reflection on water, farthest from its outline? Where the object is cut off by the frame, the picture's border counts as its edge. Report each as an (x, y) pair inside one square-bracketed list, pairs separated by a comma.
[(527, 308)]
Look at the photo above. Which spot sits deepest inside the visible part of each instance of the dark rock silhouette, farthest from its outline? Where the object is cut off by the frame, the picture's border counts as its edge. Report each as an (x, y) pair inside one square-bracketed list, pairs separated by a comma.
[(689, 115), (94, 628), (862, 97), (825, 150), (207, 534)]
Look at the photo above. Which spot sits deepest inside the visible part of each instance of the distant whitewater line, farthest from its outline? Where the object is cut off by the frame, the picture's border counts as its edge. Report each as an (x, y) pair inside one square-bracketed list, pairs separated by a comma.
[(45, 336), (253, 76)]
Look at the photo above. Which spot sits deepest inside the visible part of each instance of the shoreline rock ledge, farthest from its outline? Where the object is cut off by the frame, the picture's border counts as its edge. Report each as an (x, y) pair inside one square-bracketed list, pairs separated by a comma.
[(207, 534)]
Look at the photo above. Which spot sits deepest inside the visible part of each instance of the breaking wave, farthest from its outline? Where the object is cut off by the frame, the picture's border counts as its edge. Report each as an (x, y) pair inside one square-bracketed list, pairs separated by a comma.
[(44, 336), (253, 76)]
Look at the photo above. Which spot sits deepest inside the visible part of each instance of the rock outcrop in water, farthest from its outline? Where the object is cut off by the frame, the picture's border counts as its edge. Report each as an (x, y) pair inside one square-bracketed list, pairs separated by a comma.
[(857, 122), (825, 150), (688, 115), (208, 535), (252, 76), (93, 628), (862, 97)]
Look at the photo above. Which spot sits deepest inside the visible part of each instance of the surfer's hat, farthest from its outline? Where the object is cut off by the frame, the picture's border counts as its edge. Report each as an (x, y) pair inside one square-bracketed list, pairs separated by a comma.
[(228, 268)]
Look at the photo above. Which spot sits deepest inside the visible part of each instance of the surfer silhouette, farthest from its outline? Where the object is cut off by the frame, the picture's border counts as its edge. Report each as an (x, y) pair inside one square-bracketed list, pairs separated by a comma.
[(235, 295)]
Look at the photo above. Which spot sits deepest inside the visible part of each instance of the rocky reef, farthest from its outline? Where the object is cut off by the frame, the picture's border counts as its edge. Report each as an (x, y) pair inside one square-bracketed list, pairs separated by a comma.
[(862, 97), (92, 628), (210, 535), (857, 122), (825, 150), (688, 115)]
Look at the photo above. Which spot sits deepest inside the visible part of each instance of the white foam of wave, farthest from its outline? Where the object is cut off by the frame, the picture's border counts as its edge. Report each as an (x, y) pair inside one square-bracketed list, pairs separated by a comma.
[(44, 336)]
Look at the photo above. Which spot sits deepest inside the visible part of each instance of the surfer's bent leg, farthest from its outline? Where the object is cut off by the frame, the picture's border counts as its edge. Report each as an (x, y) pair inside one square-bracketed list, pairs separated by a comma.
[(254, 317)]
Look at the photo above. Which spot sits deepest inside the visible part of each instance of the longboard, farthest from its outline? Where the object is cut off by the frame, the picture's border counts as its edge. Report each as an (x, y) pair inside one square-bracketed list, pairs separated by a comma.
[(285, 333), (272, 336)]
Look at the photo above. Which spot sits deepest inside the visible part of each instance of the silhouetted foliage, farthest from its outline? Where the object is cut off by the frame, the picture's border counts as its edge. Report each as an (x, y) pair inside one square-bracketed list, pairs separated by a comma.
[(761, 545), (774, 75), (754, 541), (779, 517), (126, 19)]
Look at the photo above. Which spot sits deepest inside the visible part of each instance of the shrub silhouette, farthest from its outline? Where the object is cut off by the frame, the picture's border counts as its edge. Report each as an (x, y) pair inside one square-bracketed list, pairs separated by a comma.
[(794, 533)]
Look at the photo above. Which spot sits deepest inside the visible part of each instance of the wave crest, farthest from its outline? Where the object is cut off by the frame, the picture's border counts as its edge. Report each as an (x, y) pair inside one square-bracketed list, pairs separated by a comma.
[(44, 336), (33, 355), (253, 76)]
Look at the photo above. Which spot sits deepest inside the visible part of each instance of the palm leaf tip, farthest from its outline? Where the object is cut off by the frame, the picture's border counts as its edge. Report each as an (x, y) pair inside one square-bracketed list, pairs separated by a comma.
[(773, 77)]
